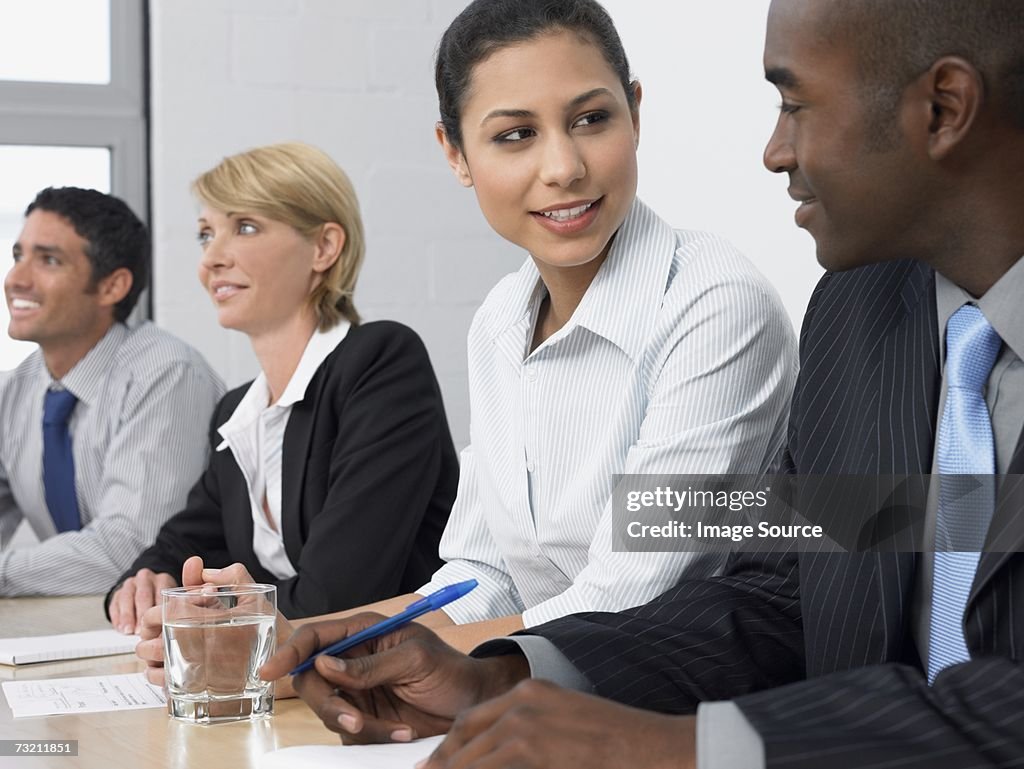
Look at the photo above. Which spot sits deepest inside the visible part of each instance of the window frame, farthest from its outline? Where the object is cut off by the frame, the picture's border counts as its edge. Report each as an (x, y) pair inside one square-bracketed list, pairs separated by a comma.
[(112, 115)]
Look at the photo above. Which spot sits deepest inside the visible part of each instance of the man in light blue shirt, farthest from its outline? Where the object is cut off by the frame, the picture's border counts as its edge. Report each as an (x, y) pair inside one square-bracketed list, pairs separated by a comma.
[(103, 429)]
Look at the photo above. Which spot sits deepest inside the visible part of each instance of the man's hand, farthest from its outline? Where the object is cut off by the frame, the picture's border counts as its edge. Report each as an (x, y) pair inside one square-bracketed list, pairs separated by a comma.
[(538, 724), (401, 686), (135, 597)]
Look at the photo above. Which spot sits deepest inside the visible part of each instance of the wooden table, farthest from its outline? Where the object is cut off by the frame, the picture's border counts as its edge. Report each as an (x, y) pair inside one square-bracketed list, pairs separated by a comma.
[(135, 739)]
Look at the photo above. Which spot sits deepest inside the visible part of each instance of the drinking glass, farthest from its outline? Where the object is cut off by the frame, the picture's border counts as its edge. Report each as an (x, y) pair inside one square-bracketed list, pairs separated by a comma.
[(216, 637)]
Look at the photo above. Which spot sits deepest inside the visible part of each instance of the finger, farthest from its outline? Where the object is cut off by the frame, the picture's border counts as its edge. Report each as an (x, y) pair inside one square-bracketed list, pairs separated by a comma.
[(192, 572), (151, 651), (472, 734), (302, 643), (323, 699), (313, 637), (283, 628), (374, 731), (235, 574), (151, 623), (144, 595), (122, 607), (345, 716), (409, 660), (161, 582), (155, 676)]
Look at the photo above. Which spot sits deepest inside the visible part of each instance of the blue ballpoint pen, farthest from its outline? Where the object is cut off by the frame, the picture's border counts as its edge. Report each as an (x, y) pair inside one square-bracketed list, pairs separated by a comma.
[(432, 602)]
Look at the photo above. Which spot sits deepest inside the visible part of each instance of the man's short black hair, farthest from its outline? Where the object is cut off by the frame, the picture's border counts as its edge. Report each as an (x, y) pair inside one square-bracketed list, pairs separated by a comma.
[(115, 237), (898, 40)]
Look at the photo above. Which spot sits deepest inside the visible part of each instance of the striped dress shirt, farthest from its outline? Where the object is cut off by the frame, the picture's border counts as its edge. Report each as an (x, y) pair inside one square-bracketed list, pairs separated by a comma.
[(679, 359), (139, 434)]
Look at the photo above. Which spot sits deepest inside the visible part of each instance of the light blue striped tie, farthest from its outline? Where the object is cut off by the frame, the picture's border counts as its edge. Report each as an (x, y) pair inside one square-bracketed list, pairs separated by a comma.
[(966, 452)]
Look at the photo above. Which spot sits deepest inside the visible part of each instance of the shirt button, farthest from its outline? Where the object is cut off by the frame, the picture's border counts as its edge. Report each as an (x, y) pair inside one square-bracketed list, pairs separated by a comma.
[(531, 374), (529, 467)]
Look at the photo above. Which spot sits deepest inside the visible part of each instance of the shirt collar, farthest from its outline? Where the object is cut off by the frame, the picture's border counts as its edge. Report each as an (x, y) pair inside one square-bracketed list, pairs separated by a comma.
[(255, 400), (320, 345), (85, 377), (623, 299), (1000, 306)]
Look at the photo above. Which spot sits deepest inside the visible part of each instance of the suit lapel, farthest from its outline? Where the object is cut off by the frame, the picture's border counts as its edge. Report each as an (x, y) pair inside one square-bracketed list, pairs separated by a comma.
[(1006, 532), (910, 381), (294, 459), (905, 425), (1017, 462)]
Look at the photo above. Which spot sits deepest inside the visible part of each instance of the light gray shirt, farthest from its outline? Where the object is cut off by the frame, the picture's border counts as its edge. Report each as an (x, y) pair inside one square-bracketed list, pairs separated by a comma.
[(139, 436), (1004, 394)]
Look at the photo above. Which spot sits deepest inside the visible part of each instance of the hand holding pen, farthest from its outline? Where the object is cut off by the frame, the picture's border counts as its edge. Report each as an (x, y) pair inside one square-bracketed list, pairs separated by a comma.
[(405, 684), (432, 602)]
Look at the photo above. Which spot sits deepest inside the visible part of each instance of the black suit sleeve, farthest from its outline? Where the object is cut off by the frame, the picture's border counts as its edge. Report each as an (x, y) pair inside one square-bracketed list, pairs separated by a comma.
[(703, 640), (384, 469), (888, 716)]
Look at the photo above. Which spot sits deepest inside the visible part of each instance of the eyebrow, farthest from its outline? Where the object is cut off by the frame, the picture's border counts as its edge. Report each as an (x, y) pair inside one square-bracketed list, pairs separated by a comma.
[(228, 214), (17, 248), (781, 77), (524, 113)]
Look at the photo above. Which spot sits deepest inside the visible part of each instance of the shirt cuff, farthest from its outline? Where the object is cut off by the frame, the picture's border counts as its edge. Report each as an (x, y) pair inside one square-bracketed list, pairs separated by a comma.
[(546, 662), (725, 738), (489, 600)]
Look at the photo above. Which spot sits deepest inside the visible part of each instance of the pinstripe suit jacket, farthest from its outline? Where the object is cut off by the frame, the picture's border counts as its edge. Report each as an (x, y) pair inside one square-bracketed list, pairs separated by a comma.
[(816, 649)]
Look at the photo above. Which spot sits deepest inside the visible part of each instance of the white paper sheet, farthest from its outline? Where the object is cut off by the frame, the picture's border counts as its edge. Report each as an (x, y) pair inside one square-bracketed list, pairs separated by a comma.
[(395, 755), (66, 646), (88, 694)]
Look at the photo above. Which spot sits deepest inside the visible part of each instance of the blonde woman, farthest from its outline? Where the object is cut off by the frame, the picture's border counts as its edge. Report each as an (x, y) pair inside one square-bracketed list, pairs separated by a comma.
[(331, 475)]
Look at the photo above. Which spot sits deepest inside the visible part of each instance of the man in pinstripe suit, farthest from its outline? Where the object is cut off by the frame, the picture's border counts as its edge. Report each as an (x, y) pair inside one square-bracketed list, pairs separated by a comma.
[(902, 132)]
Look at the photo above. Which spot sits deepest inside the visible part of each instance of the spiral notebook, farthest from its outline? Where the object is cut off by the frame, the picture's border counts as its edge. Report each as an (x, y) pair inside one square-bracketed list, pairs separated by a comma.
[(66, 646)]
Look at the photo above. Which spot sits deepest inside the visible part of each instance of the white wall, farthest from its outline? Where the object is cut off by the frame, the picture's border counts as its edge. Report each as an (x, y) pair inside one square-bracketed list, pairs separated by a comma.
[(706, 115), (355, 78)]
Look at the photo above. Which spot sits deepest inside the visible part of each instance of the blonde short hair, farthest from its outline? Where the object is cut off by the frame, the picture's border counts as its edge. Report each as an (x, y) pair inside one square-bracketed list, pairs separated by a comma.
[(301, 186)]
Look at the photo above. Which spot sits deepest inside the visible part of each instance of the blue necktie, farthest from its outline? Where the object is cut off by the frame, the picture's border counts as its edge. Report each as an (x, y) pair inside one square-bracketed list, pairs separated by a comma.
[(966, 450), (58, 462)]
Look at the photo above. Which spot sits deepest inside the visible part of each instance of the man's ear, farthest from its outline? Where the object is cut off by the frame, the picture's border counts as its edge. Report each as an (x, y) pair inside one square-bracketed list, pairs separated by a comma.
[(956, 93), (454, 156), (329, 245), (638, 93), (114, 287)]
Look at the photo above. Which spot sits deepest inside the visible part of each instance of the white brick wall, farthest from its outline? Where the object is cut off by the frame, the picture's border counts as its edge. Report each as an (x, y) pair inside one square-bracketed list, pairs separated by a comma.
[(355, 78)]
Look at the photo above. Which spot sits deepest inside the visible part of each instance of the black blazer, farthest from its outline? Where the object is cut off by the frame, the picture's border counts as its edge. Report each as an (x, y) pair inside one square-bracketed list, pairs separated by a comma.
[(834, 631), (369, 475)]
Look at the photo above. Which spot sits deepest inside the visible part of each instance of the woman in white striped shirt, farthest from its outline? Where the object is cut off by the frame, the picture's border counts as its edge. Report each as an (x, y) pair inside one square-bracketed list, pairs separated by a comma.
[(620, 347)]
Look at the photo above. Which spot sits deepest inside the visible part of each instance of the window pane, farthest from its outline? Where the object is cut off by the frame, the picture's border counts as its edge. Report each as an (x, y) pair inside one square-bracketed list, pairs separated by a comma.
[(55, 41), (25, 171)]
